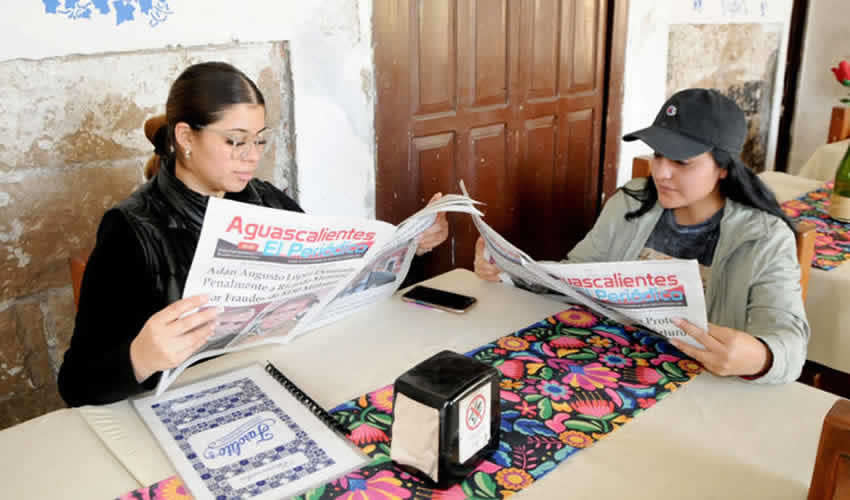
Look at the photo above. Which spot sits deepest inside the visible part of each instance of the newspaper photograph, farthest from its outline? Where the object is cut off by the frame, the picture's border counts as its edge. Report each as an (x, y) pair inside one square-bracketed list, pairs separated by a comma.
[(275, 274)]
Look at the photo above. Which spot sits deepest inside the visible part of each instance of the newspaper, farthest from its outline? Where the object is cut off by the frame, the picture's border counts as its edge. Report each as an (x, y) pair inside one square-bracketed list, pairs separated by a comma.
[(277, 274), (646, 293)]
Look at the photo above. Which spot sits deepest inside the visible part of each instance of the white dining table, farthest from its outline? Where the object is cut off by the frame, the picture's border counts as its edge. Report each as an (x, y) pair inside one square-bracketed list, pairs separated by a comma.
[(713, 438), (829, 291), (823, 163)]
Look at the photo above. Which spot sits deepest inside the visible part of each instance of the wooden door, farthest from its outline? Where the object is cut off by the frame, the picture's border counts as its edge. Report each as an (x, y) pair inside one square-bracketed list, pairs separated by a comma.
[(506, 95)]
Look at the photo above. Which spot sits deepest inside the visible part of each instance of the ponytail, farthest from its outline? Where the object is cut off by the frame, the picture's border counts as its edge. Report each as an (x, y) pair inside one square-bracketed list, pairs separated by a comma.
[(744, 186), (156, 130)]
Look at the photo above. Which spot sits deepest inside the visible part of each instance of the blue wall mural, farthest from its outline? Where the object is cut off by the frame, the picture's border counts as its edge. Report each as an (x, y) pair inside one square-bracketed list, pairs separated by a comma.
[(155, 12)]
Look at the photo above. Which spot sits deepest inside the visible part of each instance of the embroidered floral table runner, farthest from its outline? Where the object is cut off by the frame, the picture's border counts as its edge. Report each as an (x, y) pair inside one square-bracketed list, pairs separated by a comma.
[(832, 244), (567, 381)]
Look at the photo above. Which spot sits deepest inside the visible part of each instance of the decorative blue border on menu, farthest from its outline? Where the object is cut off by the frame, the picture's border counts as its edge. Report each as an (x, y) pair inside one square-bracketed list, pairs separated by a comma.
[(251, 401)]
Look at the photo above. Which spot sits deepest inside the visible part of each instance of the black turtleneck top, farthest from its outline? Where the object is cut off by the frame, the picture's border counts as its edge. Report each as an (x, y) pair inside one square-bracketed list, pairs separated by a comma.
[(139, 265)]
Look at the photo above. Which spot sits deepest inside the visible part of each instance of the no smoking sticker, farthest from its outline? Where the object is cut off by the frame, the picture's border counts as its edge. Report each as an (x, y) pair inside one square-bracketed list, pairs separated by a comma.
[(475, 412), (474, 431)]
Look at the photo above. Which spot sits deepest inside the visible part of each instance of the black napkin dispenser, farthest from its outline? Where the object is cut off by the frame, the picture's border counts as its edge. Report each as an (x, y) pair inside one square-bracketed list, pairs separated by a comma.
[(446, 418)]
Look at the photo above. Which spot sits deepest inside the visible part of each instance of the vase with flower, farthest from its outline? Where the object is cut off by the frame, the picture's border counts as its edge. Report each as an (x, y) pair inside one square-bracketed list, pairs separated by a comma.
[(842, 74), (839, 208)]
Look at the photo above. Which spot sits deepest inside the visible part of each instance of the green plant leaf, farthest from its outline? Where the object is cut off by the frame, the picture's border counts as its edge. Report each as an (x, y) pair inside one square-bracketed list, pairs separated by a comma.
[(582, 425), (485, 483), (546, 373), (581, 355), (545, 407), (644, 355), (379, 459), (672, 369), (381, 418), (316, 493), (533, 398), (578, 331), (467, 489)]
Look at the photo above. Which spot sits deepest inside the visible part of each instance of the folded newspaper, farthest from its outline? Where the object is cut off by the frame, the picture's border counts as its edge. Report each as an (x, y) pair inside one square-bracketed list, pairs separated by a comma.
[(277, 274), (646, 293)]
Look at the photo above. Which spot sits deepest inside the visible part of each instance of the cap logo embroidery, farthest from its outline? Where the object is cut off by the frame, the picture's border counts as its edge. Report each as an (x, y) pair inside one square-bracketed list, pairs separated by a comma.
[(671, 110)]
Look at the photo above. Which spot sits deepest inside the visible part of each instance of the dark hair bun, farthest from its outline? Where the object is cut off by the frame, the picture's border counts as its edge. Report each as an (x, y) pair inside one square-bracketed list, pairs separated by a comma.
[(156, 131)]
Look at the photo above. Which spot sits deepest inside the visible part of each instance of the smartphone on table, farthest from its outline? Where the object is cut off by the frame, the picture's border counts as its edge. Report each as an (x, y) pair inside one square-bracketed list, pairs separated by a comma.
[(439, 299)]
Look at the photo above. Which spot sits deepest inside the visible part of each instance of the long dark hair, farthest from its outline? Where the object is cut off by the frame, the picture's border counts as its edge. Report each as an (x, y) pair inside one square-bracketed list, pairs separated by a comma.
[(740, 184), (197, 97)]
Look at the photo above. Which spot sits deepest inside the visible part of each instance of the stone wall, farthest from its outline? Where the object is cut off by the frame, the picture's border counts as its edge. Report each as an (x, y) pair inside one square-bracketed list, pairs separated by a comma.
[(72, 147), (674, 44), (740, 60)]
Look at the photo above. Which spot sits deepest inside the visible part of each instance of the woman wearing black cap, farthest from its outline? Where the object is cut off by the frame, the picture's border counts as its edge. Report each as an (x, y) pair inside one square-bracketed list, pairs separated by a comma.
[(702, 203)]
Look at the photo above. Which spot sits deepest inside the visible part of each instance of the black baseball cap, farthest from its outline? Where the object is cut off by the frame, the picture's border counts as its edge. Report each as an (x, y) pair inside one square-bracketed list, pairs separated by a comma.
[(692, 122)]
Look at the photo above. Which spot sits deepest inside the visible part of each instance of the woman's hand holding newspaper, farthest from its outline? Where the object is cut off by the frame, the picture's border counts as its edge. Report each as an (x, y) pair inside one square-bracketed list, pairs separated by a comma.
[(436, 233), (170, 336), (483, 264), (727, 351)]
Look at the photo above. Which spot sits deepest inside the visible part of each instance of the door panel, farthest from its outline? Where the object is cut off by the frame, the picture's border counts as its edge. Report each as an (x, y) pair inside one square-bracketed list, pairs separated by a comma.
[(489, 61), (432, 166), (579, 31), (434, 74), (539, 48), (504, 94)]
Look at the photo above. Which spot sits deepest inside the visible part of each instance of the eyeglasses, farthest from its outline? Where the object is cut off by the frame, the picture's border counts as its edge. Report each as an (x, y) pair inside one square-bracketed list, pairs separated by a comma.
[(241, 143)]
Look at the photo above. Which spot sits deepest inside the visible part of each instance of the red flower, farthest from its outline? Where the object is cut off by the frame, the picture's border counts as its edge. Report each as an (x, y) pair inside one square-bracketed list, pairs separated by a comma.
[(365, 433), (594, 407), (512, 368), (526, 410), (842, 73), (645, 402), (646, 375)]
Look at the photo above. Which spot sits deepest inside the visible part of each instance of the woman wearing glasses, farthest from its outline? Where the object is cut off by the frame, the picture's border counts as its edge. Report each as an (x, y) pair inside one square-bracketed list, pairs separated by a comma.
[(130, 323)]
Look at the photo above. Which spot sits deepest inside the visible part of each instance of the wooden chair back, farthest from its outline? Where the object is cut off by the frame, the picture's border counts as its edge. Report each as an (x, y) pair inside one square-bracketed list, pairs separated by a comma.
[(839, 124), (804, 234), (831, 476), (77, 263)]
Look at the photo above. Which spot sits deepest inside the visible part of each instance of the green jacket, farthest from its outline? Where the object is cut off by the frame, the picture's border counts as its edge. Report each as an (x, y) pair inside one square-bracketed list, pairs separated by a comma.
[(755, 276)]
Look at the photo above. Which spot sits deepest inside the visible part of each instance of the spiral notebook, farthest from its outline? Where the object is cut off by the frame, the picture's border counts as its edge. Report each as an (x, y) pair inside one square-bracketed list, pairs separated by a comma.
[(249, 433)]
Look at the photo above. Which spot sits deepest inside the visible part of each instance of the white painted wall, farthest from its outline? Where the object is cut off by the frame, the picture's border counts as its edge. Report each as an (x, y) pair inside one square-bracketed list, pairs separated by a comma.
[(331, 57), (646, 58), (827, 41)]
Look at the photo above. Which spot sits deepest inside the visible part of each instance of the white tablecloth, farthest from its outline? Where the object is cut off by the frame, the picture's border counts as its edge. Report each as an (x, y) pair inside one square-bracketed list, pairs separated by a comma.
[(715, 438), (824, 161), (828, 300), (59, 456)]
